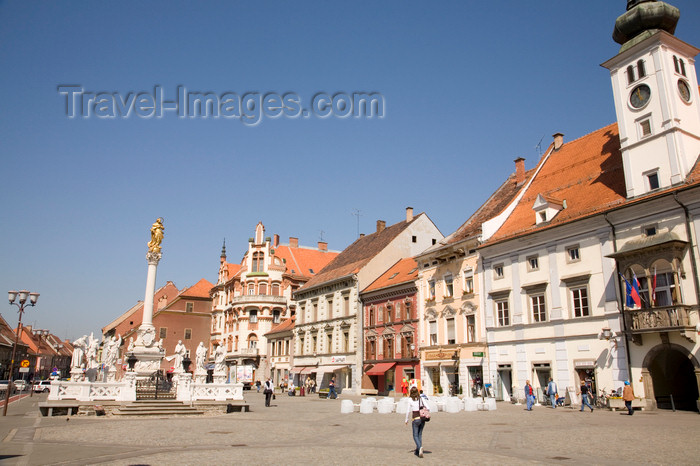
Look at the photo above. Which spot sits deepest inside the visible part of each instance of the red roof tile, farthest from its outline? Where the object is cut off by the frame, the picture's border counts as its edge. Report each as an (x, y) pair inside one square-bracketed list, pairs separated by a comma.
[(304, 262), (199, 289), (404, 271), (587, 174), (285, 325)]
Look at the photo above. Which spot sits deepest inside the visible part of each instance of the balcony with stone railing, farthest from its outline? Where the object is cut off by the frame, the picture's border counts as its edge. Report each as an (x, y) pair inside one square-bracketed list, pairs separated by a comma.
[(258, 299), (661, 319), (246, 352)]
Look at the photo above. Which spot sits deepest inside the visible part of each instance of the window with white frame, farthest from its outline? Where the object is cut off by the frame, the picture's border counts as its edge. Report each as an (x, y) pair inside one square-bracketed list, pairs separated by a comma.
[(538, 307), (432, 326), (573, 254), (189, 306), (498, 271), (451, 331), (533, 263), (449, 286), (431, 289), (253, 316), (276, 316), (329, 342), (579, 301), (471, 329), (502, 312), (468, 281), (251, 289)]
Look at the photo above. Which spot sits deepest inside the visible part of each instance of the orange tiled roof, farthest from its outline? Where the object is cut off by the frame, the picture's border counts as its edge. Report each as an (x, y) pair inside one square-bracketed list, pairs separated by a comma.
[(404, 271), (587, 173), (285, 325), (233, 269), (199, 289), (493, 206), (358, 254), (304, 262)]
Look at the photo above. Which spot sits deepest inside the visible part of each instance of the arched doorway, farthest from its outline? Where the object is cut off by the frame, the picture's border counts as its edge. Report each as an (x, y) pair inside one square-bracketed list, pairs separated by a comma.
[(674, 376)]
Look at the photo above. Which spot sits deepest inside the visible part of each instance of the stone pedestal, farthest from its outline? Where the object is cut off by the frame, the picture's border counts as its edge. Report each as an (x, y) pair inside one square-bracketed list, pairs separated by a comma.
[(184, 386), (219, 377), (146, 350), (76, 374), (200, 376)]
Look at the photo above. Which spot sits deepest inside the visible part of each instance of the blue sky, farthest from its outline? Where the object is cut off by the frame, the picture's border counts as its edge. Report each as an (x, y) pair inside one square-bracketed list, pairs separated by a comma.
[(468, 87)]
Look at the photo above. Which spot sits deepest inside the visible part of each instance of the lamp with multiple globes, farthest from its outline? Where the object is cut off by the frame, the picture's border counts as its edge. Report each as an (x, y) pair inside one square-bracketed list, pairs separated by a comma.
[(12, 297)]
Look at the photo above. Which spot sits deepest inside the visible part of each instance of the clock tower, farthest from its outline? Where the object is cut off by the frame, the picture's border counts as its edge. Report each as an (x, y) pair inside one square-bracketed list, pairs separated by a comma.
[(655, 89)]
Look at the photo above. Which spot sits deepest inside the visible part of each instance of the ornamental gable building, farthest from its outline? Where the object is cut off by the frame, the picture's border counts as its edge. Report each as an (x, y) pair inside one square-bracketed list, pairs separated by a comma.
[(328, 333), (254, 296), (618, 206), (390, 329), (452, 325)]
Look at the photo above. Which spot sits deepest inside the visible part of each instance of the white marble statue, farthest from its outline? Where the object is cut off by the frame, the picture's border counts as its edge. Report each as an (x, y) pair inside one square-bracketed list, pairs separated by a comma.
[(79, 349), (219, 357), (201, 357), (130, 348), (93, 345), (111, 351), (180, 353)]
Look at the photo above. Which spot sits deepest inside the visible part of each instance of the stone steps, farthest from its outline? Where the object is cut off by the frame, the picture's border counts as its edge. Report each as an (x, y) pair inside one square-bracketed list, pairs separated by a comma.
[(156, 408)]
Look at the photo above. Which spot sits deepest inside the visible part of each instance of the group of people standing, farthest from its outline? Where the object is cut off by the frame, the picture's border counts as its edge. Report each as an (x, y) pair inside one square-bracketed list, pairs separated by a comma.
[(584, 391)]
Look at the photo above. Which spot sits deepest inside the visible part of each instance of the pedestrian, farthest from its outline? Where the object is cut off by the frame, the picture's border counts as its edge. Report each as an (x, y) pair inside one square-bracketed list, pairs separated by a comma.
[(628, 396), (413, 412), (585, 390), (331, 389), (268, 391), (312, 384), (404, 386), (552, 392), (529, 396), (257, 385)]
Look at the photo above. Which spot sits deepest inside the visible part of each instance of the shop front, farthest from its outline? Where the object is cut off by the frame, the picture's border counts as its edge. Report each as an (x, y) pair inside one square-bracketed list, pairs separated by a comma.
[(440, 372)]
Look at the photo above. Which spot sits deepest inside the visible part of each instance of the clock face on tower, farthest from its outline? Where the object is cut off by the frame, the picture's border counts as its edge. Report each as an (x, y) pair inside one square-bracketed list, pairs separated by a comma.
[(640, 96), (684, 90)]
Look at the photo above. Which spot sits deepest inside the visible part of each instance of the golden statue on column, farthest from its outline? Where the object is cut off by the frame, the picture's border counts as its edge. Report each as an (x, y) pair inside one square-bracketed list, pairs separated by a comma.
[(156, 236)]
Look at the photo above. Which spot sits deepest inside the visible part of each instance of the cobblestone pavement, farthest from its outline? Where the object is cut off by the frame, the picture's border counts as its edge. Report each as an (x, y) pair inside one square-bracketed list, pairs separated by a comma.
[(301, 430)]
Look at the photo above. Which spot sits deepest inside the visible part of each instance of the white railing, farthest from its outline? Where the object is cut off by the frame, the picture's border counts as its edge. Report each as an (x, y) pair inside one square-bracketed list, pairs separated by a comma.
[(125, 390)]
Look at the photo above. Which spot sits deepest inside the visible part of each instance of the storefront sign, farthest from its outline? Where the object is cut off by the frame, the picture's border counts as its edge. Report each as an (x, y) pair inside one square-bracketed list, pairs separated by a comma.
[(337, 359), (433, 355), (478, 354), (584, 364)]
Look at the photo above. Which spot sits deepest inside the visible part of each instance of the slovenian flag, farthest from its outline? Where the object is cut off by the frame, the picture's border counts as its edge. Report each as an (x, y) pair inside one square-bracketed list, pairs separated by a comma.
[(632, 292)]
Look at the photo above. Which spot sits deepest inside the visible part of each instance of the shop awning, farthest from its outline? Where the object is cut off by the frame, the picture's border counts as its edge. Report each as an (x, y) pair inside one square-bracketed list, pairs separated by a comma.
[(380, 368)]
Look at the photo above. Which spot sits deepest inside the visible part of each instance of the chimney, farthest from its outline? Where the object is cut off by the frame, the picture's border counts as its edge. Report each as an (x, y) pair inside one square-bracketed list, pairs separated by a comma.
[(276, 241), (409, 214), (362, 235), (322, 246), (293, 242), (558, 140), (519, 170), (381, 224)]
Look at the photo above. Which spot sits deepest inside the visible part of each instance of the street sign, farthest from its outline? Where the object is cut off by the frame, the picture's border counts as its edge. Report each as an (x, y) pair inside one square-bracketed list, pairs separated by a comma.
[(24, 369), (478, 354), (24, 363)]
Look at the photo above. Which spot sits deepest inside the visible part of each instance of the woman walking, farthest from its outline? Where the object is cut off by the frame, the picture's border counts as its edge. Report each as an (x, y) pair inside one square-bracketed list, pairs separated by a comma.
[(413, 412)]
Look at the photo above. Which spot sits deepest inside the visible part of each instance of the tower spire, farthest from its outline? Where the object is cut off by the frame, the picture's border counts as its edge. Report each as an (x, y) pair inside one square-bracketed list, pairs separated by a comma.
[(223, 251), (642, 19)]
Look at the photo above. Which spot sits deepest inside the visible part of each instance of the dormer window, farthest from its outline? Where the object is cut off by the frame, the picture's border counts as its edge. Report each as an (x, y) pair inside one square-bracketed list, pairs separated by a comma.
[(546, 208)]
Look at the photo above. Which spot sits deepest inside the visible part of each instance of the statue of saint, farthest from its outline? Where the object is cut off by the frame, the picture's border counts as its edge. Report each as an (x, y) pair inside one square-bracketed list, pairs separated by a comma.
[(156, 235), (112, 351), (180, 353), (201, 357), (219, 357), (79, 350), (91, 354)]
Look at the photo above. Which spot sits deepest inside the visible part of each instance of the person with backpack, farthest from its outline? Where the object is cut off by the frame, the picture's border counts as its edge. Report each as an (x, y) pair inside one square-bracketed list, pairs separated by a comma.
[(419, 412), (268, 391)]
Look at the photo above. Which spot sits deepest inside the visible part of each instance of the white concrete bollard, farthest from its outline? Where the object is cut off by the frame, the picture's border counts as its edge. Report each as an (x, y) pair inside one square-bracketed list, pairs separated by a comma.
[(346, 407)]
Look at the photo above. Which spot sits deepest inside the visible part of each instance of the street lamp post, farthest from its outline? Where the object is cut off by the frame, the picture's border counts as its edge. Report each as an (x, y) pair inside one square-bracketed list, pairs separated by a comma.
[(12, 296)]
